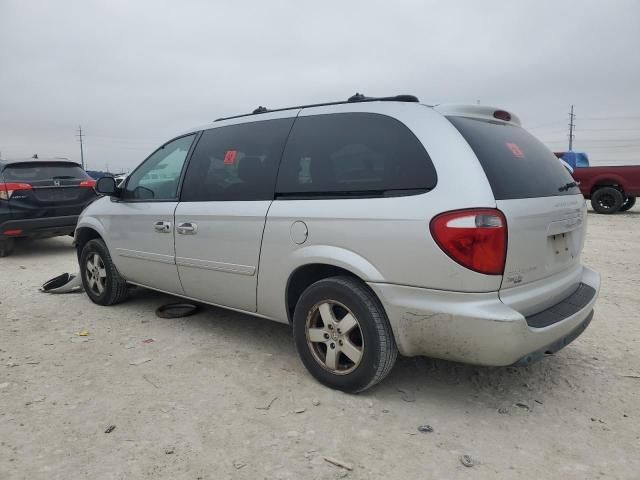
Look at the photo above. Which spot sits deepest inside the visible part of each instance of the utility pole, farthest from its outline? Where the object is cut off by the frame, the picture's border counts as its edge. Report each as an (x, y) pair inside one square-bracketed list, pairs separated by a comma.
[(571, 127), (81, 152)]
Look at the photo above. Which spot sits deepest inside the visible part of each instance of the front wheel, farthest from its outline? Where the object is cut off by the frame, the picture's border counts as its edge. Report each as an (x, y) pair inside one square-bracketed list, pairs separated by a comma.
[(607, 200), (628, 204), (100, 278), (342, 334)]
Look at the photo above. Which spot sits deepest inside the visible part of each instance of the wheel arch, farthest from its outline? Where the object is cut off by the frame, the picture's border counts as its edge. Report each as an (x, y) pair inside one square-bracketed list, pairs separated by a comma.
[(609, 181), (334, 262), (83, 235)]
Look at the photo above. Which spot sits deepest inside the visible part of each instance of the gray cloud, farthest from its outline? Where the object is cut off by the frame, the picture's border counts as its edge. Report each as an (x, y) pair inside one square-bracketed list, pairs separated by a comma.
[(136, 73)]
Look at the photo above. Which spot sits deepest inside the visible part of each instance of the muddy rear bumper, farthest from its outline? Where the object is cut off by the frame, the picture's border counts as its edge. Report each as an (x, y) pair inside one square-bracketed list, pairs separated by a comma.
[(479, 328)]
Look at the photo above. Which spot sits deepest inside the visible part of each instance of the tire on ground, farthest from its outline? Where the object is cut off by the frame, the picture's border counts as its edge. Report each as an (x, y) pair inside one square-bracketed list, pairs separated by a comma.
[(379, 352), (628, 204), (116, 288), (607, 200), (6, 247)]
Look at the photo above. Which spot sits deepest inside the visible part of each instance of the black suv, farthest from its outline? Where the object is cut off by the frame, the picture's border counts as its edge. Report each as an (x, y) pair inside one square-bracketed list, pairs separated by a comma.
[(41, 198)]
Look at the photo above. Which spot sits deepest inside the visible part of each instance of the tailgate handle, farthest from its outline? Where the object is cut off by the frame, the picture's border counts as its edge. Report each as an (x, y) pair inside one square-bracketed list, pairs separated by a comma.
[(162, 227)]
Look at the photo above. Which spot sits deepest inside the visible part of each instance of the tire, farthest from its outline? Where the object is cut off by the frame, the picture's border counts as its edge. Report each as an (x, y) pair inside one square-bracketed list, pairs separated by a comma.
[(607, 200), (628, 204), (100, 278), (370, 344), (6, 247)]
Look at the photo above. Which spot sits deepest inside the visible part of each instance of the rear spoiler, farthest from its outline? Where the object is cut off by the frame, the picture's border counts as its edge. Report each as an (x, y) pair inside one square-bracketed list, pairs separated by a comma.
[(481, 112)]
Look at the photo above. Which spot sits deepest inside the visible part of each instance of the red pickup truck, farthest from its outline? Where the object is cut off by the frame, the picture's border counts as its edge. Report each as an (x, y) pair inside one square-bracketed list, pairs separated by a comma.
[(610, 189)]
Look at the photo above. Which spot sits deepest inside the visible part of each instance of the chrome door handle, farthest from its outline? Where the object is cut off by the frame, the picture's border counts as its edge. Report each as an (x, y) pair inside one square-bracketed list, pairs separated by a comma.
[(187, 228), (162, 227)]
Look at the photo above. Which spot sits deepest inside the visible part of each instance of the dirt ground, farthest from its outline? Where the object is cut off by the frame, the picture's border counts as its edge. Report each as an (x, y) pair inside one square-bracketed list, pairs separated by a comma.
[(223, 395)]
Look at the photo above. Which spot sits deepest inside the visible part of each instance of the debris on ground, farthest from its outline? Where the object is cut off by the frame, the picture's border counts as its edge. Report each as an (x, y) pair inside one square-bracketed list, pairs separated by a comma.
[(315, 402), (110, 429), (177, 310), (523, 406), (268, 405), (65, 283), (150, 381), (82, 333), (148, 340), (169, 451), (425, 429), (503, 410), (140, 361), (300, 410), (407, 396), (467, 461), (338, 463), (238, 465)]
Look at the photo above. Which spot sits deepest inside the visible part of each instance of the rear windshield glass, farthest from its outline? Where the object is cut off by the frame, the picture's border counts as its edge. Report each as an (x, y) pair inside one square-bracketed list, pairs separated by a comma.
[(26, 172), (516, 163)]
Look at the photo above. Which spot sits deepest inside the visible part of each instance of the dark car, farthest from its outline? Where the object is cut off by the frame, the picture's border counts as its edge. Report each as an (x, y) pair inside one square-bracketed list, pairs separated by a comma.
[(41, 198)]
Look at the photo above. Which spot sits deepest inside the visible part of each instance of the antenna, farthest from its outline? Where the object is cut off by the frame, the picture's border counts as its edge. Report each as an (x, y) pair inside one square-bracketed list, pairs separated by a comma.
[(572, 126), (81, 151)]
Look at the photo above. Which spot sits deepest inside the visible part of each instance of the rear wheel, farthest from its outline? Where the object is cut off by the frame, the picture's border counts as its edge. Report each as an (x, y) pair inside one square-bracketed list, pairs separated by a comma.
[(6, 247), (628, 204), (342, 334), (607, 200), (100, 278)]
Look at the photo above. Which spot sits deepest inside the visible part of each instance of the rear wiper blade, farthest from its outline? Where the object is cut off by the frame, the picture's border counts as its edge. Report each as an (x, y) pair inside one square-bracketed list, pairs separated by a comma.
[(567, 186), (58, 177)]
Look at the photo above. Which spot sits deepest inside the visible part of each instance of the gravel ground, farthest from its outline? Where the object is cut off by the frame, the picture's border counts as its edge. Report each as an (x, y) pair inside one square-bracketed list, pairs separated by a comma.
[(223, 395)]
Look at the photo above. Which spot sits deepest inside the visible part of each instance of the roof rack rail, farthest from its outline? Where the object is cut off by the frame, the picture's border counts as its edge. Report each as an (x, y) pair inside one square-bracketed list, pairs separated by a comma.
[(358, 97)]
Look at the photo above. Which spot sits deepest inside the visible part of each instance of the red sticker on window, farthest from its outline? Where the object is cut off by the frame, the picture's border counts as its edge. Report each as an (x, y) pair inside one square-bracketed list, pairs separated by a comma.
[(230, 157), (515, 149)]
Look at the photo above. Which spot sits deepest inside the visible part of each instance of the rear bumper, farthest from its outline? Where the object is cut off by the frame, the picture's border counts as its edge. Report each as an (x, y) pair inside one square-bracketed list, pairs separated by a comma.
[(40, 227), (479, 328)]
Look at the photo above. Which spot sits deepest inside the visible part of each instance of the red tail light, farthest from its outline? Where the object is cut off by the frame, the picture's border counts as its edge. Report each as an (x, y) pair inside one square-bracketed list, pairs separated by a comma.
[(88, 183), (476, 239), (7, 189)]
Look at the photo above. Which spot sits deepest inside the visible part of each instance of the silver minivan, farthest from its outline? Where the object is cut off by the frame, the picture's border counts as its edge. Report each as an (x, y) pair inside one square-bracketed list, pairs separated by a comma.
[(374, 226)]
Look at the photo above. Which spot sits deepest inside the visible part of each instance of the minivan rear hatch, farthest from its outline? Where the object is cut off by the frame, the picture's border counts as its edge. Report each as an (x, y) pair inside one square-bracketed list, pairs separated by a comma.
[(543, 207), (47, 189)]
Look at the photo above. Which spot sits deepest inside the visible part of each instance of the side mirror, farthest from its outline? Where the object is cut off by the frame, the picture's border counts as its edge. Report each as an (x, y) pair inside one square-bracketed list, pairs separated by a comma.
[(107, 186)]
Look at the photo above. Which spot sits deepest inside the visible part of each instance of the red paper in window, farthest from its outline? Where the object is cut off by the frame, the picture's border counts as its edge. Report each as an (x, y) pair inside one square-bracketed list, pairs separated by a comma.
[(230, 157), (515, 149)]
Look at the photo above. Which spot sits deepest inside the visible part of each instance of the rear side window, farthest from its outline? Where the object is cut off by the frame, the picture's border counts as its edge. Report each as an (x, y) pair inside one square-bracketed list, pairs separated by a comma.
[(516, 163), (238, 162), (34, 172), (347, 154)]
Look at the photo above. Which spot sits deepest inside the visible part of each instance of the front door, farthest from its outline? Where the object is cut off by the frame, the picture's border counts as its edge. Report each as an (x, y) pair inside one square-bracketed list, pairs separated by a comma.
[(227, 191), (140, 224)]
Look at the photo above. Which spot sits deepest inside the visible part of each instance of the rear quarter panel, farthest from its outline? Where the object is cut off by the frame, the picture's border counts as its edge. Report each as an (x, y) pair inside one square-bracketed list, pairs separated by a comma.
[(383, 240)]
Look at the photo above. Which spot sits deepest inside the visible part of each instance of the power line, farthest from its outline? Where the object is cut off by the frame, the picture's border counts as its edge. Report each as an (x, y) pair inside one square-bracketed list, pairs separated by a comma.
[(81, 151), (571, 127)]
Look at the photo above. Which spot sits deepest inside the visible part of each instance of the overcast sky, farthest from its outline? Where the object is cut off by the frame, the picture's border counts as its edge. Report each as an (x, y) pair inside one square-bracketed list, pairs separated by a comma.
[(135, 73)]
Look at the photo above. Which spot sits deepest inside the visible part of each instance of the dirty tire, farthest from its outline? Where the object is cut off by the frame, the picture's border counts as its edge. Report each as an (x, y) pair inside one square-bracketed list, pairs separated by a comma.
[(628, 204), (379, 351), (115, 288), (607, 200), (6, 247)]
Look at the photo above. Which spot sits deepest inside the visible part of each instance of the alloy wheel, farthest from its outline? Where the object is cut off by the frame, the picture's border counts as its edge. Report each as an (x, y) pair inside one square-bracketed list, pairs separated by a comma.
[(334, 337), (96, 274)]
